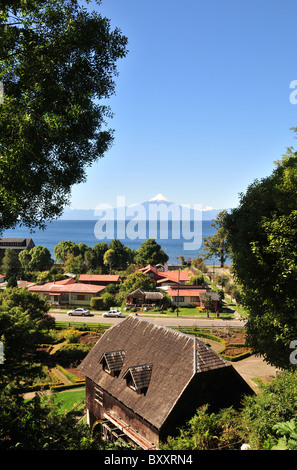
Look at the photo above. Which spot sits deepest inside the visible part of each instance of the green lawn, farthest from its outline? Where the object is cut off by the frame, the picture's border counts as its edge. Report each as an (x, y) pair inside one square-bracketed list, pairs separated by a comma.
[(185, 313), (69, 398)]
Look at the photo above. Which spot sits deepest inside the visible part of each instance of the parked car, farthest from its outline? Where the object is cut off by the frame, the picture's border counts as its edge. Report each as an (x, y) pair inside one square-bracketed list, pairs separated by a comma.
[(79, 311), (113, 312)]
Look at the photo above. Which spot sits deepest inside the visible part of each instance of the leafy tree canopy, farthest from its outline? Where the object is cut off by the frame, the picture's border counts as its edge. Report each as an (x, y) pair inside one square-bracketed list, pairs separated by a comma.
[(262, 233), (65, 248), (57, 64), (23, 317), (150, 252), (110, 258), (38, 258), (217, 245), (39, 423), (10, 264), (138, 280)]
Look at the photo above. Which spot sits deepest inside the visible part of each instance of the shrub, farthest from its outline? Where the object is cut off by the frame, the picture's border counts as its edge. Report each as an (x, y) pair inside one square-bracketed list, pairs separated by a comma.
[(205, 431), (72, 336), (108, 300), (276, 403), (96, 303), (71, 354)]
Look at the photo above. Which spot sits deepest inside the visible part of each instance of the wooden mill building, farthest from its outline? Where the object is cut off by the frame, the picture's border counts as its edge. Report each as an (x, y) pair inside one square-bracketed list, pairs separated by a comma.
[(143, 381)]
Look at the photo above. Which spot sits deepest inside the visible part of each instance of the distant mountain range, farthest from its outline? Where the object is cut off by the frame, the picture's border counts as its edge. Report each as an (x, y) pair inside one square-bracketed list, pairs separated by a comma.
[(90, 214)]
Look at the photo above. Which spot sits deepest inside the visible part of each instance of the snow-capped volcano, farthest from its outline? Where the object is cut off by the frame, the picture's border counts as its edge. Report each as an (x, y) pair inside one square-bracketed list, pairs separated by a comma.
[(159, 197)]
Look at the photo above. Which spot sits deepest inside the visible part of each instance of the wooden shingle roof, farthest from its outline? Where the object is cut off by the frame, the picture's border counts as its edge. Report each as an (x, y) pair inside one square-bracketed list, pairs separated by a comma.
[(114, 360), (173, 358), (141, 375)]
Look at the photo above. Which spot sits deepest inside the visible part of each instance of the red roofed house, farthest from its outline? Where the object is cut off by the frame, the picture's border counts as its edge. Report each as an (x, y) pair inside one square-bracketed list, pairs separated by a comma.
[(187, 296), (152, 272), (100, 279), (172, 278), (68, 292), (165, 279)]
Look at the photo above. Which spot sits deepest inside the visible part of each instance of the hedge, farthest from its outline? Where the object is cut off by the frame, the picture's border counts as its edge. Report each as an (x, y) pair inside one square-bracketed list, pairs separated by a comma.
[(194, 331)]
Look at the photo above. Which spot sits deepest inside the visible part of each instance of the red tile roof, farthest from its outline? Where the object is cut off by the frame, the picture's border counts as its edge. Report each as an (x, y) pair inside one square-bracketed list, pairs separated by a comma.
[(99, 277), (174, 276), (185, 292), (51, 288), (168, 276), (65, 281), (148, 268)]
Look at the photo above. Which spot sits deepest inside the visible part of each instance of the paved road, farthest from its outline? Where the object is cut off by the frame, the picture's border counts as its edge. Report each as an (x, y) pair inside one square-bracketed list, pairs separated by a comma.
[(166, 321)]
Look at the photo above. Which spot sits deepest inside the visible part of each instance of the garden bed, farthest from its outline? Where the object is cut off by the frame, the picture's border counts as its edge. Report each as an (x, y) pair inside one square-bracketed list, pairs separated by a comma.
[(90, 338), (235, 352), (229, 335), (232, 340)]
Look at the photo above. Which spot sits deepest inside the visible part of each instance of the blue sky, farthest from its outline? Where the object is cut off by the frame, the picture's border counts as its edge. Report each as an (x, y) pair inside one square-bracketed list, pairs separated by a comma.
[(202, 103)]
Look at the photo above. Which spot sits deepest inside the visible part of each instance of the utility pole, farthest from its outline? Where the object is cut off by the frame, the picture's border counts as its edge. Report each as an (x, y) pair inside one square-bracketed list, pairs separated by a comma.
[(178, 292)]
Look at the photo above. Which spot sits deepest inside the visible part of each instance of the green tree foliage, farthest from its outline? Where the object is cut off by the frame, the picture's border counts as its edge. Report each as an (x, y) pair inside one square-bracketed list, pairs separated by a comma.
[(99, 250), (40, 423), (217, 245), (262, 235), (199, 264), (123, 253), (23, 317), (150, 252), (207, 431), (259, 422), (197, 280), (138, 280), (108, 300), (40, 258), (110, 259), (74, 264), (96, 303), (288, 431), (95, 259), (11, 265), (36, 259), (29, 302), (64, 248), (277, 403), (57, 63), (25, 259)]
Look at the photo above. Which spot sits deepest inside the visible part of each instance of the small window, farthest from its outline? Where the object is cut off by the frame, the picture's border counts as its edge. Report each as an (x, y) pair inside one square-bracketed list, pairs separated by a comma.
[(129, 381), (99, 395), (178, 299), (138, 378), (112, 362)]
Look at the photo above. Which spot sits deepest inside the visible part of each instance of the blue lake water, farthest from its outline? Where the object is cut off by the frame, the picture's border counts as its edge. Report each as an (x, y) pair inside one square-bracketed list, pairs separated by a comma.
[(85, 231)]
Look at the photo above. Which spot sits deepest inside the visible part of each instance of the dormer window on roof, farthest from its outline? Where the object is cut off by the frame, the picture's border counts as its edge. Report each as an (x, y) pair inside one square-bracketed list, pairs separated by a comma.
[(138, 377), (112, 362)]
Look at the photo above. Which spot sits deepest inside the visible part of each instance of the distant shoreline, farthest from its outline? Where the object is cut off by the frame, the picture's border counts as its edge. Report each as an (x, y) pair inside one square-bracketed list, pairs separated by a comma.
[(82, 231)]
